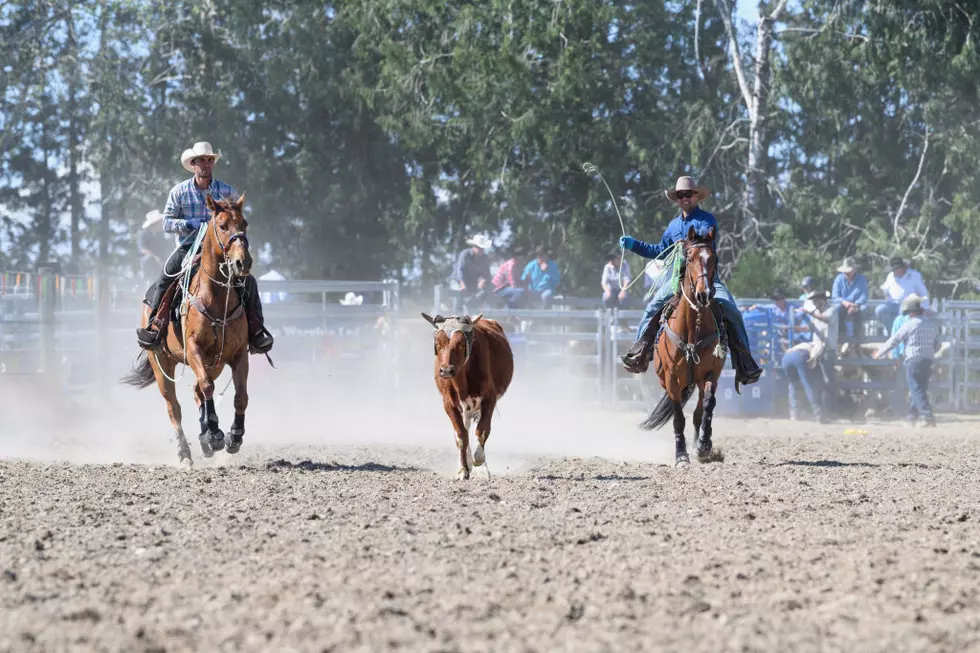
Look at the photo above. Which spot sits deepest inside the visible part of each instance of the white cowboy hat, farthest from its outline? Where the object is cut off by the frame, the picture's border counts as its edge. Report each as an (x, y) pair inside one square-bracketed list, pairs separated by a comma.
[(152, 218), (686, 183), (849, 265), (480, 241), (201, 148), (350, 299)]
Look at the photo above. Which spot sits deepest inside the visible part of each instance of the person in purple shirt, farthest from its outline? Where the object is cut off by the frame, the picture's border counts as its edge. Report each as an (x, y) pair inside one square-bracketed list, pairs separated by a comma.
[(686, 194), (849, 295)]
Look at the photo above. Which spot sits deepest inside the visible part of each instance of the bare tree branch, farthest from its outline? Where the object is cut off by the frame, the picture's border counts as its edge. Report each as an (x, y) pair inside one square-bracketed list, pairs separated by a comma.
[(697, 39), (743, 85), (908, 191)]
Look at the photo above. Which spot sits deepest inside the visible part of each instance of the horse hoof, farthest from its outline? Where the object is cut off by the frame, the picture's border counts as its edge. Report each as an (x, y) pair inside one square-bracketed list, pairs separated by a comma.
[(206, 449), (704, 454), (186, 463), (217, 438), (479, 457), (233, 440), (463, 474), (682, 460)]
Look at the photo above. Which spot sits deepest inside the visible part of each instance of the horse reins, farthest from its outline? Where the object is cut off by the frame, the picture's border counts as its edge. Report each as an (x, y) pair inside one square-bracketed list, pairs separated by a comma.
[(690, 351)]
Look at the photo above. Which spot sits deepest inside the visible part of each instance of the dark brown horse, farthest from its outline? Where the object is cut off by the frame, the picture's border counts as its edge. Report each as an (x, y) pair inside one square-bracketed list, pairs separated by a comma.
[(473, 369), (211, 334), (689, 352)]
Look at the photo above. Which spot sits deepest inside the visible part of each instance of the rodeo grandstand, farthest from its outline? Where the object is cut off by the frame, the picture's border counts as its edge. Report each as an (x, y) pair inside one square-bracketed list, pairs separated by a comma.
[(49, 322)]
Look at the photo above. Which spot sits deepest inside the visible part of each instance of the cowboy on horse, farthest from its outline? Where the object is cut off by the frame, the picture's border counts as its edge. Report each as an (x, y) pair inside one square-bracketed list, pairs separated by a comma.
[(184, 214), (686, 194)]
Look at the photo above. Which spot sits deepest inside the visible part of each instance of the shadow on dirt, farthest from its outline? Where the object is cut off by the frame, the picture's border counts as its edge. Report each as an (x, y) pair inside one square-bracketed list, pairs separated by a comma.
[(823, 463), (310, 466)]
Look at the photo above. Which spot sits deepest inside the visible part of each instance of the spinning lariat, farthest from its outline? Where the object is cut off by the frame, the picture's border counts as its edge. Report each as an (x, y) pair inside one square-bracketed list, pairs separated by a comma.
[(667, 256)]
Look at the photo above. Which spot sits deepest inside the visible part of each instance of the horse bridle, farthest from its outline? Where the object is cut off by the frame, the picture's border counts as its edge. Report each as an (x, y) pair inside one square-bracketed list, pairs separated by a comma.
[(694, 282), (238, 235)]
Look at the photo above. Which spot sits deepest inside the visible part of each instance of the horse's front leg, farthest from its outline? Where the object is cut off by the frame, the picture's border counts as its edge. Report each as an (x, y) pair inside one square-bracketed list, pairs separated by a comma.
[(681, 458), (699, 410), (239, 374), (704, 432), (211, 437)]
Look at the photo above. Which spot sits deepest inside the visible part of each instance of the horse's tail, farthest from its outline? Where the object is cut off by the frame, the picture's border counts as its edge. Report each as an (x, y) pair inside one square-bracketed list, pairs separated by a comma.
[(665, 410), (141, 375)]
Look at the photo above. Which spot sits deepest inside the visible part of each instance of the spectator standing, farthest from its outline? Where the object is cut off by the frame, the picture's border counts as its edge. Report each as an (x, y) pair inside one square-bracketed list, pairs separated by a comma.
[(921, 336), (804, 364)]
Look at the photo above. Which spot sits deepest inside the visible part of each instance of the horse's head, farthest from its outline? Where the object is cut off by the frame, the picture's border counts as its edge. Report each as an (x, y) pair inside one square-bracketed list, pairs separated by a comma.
[(700, 263), (228, 228), (452, 342)]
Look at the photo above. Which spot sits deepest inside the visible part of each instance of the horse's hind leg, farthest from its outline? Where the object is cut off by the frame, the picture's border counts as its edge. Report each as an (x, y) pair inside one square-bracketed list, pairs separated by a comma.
[(704, 432), (169, 392), (239, 374), (681, 458)]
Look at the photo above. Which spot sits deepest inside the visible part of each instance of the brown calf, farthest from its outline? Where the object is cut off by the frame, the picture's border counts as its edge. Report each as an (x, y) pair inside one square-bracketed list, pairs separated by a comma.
[(473, 368)]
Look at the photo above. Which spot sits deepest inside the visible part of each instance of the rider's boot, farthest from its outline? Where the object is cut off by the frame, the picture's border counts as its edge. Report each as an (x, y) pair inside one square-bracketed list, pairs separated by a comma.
[(747, 371), (637, 359), (149, 337), (259, 339)]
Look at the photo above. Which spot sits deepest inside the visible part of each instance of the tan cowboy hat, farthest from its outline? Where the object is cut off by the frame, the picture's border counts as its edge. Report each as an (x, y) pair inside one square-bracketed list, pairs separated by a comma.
[(911, 303), (201, 148), (849, 265), (152, 218), (480, 241), (687, 183)]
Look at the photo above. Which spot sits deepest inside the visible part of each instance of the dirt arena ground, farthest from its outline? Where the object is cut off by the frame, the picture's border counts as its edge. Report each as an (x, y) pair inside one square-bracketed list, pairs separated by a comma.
[(346, 531)]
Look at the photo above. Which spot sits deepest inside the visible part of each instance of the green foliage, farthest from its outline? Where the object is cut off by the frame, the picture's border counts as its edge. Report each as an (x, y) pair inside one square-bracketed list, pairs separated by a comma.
[(374, 136)]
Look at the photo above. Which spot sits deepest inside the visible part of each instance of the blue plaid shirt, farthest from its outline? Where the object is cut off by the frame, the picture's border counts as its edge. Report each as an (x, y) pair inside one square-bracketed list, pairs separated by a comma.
[(186, 201), (920, 335)]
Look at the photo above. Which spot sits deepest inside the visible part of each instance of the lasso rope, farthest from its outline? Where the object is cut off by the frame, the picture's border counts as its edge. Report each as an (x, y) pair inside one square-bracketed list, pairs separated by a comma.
[(591, 169), (672, 257)]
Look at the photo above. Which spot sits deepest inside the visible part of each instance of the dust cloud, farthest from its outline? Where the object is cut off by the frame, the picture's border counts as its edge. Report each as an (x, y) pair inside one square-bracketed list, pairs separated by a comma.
[(383, 399)]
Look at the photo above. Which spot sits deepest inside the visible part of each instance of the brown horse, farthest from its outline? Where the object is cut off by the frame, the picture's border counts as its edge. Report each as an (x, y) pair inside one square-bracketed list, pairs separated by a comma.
[(473, 368), (690, 352), (213, 328)]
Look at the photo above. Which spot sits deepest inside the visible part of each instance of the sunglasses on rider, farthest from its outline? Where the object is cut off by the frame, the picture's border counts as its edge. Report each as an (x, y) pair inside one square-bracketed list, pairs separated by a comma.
[(684, 194)]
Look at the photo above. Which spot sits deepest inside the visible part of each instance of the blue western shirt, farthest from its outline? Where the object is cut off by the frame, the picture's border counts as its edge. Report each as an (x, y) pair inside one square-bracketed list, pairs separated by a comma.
[(852, 291), (186, 201), (677, 230)]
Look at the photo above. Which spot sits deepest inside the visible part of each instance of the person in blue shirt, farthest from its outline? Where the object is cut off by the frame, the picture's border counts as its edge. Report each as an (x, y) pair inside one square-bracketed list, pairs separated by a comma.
[(850, 297), (185, 212), (542, 277), (686, 194), (807, 286)]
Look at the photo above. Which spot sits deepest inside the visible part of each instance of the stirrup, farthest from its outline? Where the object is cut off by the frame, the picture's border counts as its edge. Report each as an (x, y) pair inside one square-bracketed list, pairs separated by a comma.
[(260, 342), (147, 339), (637, 361)]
